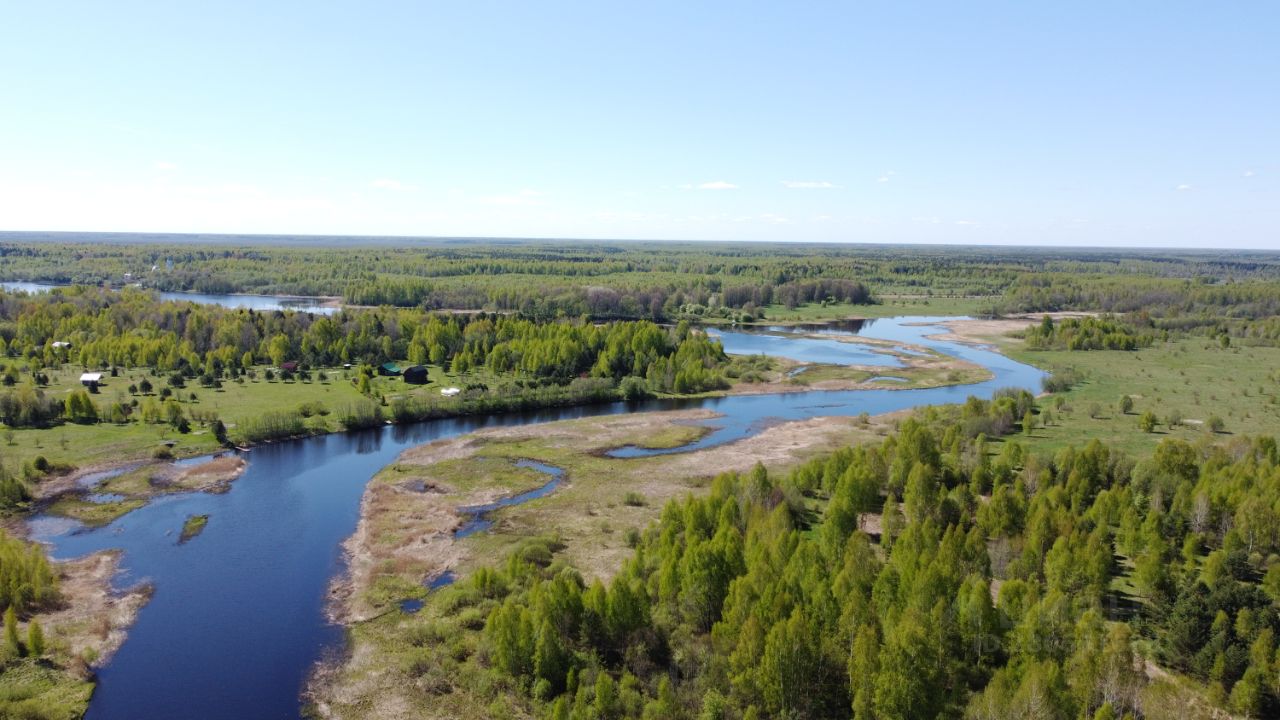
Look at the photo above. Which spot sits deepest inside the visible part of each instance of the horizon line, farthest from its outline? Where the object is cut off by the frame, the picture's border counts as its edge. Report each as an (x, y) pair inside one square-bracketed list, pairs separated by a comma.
[(215, 237)]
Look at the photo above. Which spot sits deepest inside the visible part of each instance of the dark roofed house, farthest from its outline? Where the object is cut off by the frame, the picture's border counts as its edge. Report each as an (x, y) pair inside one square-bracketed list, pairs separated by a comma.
[(416, 375), (389, 369), (291, 366)]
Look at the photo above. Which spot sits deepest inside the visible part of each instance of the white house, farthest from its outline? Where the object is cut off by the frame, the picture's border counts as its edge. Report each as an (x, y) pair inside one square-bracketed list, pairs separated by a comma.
[(90, 379), (61, 344), (449, 391)]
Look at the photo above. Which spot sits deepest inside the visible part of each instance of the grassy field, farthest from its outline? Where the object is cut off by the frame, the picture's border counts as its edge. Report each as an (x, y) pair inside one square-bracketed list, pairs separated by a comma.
[(32, 688), (828, 376), (92, 513), (889, 306), (1186, 380), (106, 443)]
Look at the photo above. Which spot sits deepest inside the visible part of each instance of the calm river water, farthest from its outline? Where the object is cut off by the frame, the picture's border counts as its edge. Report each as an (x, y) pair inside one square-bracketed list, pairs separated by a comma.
[(237, 619), (261, 303)]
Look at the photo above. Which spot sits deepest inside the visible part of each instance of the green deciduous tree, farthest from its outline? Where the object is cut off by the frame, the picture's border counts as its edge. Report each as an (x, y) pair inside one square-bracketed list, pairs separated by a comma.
[(35, 639), (11, 631)]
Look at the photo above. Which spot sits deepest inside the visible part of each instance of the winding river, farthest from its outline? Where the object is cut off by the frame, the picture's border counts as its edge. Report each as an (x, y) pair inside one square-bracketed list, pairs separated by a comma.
[(237, 619)]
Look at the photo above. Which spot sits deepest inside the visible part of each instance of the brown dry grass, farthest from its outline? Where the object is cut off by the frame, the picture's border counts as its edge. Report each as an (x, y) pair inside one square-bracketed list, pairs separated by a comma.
[(92, 618)]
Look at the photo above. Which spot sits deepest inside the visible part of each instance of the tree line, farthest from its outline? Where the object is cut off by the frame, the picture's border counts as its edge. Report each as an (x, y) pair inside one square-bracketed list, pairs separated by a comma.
[(631, 280), (1087, 333), (1208, 305)]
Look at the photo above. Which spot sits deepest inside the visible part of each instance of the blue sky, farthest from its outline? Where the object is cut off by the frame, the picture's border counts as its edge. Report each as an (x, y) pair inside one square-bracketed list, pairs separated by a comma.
[(1133, 123)]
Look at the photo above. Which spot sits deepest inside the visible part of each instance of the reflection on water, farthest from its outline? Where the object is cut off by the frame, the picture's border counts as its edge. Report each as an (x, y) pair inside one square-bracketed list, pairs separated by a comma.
[(479, 514), (238, 619), (743, 414), (260, 303), (804, 349)]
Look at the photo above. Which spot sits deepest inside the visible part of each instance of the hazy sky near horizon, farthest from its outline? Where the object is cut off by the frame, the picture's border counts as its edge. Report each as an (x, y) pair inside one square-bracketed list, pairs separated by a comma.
[(1087, 123)]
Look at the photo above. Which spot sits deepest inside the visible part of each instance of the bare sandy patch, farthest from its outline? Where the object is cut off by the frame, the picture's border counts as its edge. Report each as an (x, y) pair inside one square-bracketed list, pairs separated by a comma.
[(777, 446), (438, 450), (984, 332), (215, 475)]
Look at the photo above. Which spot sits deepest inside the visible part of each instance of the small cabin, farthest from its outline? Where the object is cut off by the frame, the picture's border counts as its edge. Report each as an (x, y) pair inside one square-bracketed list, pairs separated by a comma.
[(416, 375), (291, 366), (390, 369), (60, 344), (91, 380), (450, 391)]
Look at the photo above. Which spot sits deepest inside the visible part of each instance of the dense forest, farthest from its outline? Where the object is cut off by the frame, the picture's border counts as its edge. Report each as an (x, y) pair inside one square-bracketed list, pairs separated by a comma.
[(941, 573), (97, 328), (663, 280)]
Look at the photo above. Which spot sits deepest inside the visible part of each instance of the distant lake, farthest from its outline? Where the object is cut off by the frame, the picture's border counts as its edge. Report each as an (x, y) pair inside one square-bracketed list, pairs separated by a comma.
[(260, 303)]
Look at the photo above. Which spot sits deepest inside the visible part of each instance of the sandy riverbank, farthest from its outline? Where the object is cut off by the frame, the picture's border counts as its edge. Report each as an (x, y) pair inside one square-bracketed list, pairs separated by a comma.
[(93, 619), (82, 630), (921, 367), (985, 332)]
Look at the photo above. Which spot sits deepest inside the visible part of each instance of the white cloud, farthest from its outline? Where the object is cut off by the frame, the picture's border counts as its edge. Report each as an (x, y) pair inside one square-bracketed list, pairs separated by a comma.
[(1248, 173), (1183, 187), (164, 165), (966, 222), (809, 184), (717, 185), (886, 176)]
